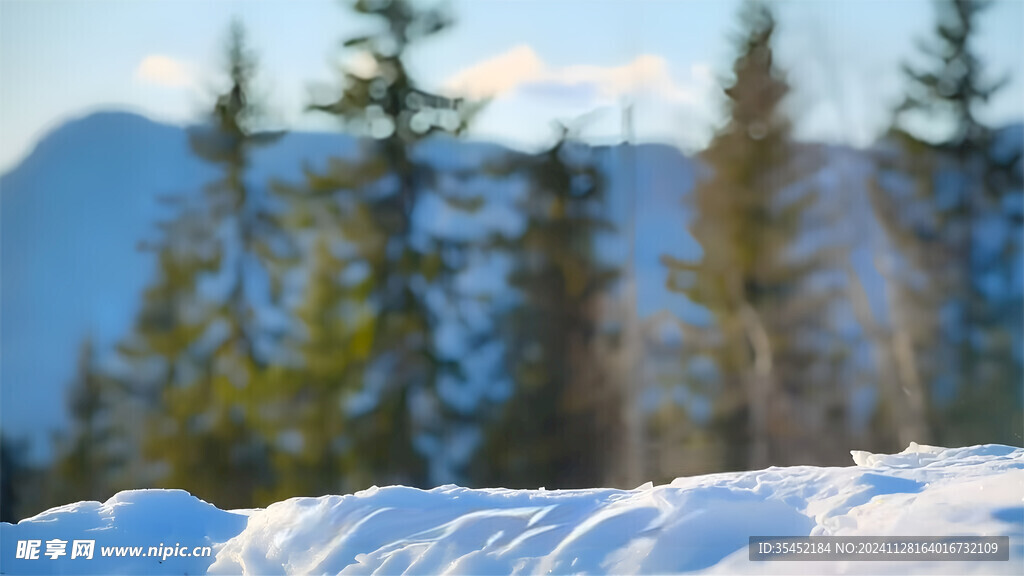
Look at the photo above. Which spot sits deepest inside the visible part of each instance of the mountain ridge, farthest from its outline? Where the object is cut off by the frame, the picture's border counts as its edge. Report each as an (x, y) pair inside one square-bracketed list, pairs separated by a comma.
[(77, 206)]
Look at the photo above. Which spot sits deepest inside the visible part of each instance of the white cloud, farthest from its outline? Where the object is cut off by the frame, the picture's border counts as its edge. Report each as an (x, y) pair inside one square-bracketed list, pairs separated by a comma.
[(521, 67), (163, 71), (499, 75)]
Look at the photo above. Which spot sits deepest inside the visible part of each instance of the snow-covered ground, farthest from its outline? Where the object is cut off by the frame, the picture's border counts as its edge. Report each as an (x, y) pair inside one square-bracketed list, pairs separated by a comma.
[(693, 524)]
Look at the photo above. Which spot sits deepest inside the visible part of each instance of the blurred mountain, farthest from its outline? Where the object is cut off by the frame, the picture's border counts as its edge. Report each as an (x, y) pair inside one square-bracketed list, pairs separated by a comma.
[(72, 217), (74, 212)]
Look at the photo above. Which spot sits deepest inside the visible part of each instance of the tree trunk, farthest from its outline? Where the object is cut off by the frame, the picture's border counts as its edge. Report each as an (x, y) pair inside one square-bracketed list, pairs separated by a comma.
[(897, 362), (760, 387)]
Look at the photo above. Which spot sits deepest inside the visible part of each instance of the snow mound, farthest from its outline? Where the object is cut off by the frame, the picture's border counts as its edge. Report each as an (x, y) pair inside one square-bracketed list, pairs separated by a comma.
[(144, 518), (918, 455), (693, 524)]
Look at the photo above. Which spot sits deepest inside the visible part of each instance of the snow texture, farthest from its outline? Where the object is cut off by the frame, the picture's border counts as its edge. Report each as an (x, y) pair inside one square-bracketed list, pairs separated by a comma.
[(693, 524)]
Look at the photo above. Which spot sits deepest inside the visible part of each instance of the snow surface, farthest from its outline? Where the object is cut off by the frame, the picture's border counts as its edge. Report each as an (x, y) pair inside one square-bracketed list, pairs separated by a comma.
[(693, 524)]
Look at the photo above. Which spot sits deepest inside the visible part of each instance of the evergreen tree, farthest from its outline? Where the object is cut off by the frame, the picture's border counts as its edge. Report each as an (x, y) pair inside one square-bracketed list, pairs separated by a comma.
[(950, 205), (196, 347), (187, 433), (560, 427), (88, 463), (331, 350), (765, 337), (250, 237), (15, 476), (374, 198), (9, 465)]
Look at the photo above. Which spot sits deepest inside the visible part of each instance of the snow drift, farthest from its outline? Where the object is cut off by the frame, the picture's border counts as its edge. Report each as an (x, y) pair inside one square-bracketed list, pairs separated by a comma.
[(693, 524)]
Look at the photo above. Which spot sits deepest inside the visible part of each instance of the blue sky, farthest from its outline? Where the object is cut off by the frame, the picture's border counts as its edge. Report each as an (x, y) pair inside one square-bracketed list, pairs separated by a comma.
[(539, 60)]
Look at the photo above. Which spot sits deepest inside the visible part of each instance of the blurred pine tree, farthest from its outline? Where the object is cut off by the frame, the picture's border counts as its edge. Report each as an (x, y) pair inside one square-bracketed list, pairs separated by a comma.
[(90, 461), (949, 196), (195, 351), (765, 338), (562, 424), (331, 349), (372, 200)]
